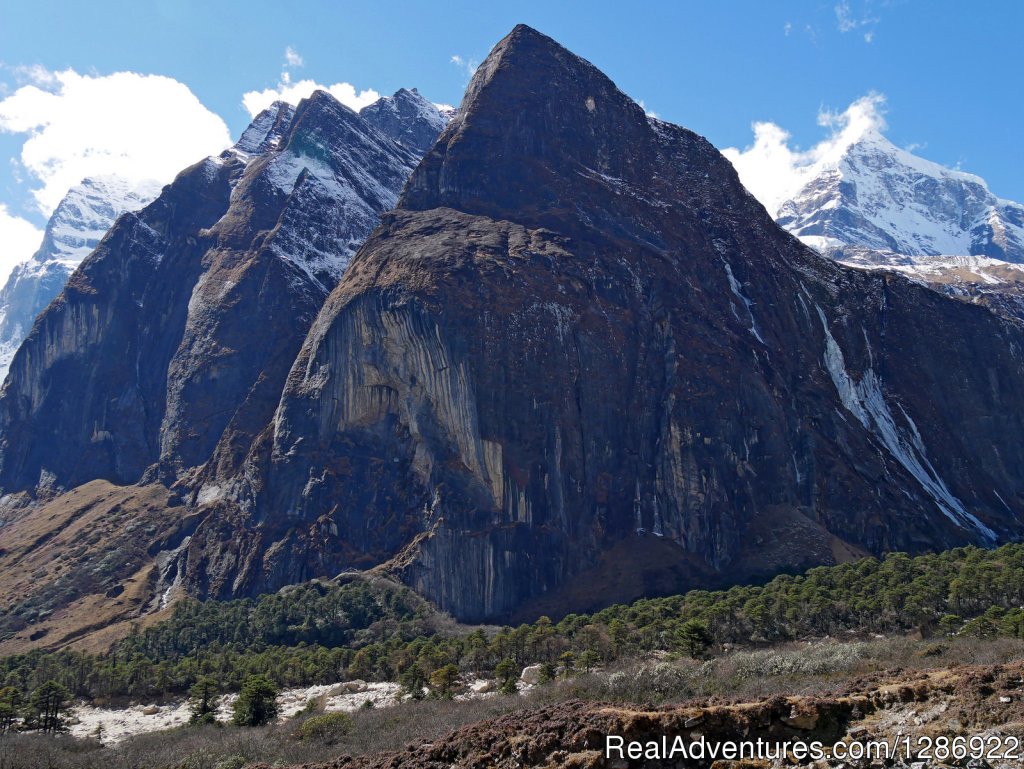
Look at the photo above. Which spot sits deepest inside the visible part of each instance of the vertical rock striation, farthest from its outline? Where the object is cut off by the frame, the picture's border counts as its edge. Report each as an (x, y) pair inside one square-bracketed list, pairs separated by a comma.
[(579, 337), (174, 337)]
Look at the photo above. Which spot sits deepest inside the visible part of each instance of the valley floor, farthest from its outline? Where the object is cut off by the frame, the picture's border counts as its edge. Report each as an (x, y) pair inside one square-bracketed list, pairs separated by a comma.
[(826, 690)]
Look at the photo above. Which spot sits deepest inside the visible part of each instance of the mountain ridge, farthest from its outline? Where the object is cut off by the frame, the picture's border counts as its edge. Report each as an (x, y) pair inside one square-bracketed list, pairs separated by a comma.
[(74, 229), (447, 416)]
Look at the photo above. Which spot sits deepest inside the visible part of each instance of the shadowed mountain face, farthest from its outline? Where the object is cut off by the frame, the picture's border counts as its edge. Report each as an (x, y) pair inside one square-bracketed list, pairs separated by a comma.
[(177, 332), (78, 223), (580, 363)]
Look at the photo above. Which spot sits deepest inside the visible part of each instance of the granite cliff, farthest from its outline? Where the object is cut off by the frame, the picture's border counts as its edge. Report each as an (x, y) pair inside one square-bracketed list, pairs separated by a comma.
[(580, 363), (182, 324)]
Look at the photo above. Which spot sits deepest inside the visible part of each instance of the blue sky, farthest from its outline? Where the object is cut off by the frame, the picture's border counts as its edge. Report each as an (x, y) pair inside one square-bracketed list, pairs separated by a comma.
[(950, 72)]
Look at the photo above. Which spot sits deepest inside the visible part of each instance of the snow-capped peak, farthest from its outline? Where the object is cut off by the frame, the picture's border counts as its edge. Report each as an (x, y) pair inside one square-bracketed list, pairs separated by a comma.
[(85, 214), (77, 225), (872, 194)]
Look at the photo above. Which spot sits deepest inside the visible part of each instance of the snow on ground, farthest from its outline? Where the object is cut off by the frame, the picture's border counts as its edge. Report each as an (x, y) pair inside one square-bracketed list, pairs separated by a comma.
[(118, 724)]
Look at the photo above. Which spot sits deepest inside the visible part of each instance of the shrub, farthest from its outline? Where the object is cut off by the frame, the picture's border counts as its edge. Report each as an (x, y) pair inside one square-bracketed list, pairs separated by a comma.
[(328, 728)]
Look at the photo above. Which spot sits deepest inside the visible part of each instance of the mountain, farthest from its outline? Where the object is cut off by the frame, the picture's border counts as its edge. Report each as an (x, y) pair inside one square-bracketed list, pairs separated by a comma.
[(178, 330), (78, 223), (871, 204), (579, 363), (408, 118), (876, 195)]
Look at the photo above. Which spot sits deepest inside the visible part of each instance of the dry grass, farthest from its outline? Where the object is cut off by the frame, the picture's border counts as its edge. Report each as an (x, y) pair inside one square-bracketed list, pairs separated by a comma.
[(820, 669), (79, 567)]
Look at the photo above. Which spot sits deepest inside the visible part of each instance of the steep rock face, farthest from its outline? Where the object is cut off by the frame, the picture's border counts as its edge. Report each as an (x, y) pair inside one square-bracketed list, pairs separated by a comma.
[(408, 118), (578, 335), (78, 223), (178, 331)]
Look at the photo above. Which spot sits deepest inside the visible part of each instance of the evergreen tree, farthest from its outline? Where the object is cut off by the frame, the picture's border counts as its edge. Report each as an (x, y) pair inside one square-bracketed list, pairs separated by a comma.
[(10, 708), (506, 673), (202, 704), (257, 702), (588, 660), (693, 637), (444, 679), (46, 708)]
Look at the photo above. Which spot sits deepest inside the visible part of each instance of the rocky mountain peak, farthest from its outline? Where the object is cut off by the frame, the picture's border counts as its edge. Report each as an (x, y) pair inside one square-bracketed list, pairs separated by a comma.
[(266, 130), (543, 117), (408, 118), (579, 343)]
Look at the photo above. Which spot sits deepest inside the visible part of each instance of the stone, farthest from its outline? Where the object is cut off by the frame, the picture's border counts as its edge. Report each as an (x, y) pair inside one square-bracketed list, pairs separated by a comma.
[(531, 675)]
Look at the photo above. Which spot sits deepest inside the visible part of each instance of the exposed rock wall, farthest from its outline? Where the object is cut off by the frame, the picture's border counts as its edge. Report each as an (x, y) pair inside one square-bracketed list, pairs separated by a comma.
[(578, 330)]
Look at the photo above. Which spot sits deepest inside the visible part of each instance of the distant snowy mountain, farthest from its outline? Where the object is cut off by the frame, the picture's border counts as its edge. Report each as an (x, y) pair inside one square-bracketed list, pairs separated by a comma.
[(77, 225), (873, 205), (881, 197)]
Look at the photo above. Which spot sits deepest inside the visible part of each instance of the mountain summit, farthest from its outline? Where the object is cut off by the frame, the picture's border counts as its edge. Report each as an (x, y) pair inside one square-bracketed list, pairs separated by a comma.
[(75, 228), (579, 363), (182, 324)]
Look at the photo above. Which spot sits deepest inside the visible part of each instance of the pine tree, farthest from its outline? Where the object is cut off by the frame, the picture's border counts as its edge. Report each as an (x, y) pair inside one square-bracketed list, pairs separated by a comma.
[(46, 707), (257, 702), (10, 707), (202, 701), (694, 637)]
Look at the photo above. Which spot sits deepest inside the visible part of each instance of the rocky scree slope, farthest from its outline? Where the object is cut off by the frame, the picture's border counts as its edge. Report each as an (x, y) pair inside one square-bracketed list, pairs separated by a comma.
[(577, 339), (76, 226), (176, 333)]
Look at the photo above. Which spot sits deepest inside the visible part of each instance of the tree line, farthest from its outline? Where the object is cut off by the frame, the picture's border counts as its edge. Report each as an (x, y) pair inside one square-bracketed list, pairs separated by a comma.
[(321, 632)]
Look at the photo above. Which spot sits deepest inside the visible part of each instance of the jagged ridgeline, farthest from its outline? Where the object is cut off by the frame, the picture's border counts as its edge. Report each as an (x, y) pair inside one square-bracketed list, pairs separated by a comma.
[(180, 327), (578, 363)]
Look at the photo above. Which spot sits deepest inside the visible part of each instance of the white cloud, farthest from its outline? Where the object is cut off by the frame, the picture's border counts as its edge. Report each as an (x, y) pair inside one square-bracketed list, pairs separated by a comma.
[(257, 101), (125, 124), (848, 21), (19, 239), (774, 171), (292, 57), (469, 66)]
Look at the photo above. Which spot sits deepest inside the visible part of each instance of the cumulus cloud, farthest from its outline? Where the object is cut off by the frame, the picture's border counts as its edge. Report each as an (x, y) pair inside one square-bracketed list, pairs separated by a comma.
[(292, 57), (19, 239), (294, 92), (126, 124), (774, 170)]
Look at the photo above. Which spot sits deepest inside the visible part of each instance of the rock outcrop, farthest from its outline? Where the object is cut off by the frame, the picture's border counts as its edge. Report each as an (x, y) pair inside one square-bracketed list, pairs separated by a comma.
[(578, 335), (176, 334)]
